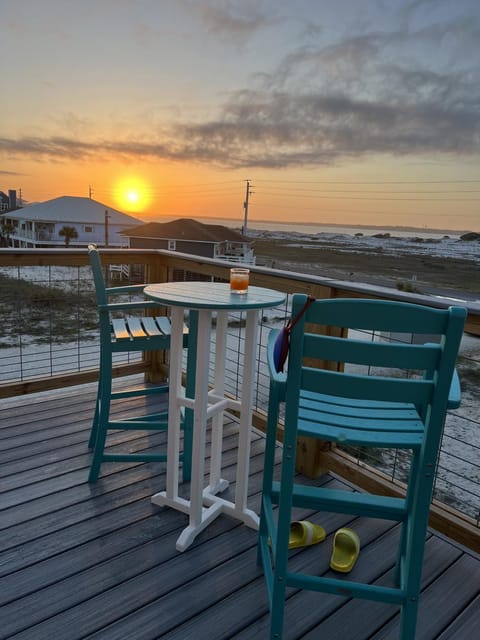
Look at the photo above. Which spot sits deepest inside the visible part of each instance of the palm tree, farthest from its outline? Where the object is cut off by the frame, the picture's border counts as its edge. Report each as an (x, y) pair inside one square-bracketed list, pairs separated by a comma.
[(68, 233), (6, 230)]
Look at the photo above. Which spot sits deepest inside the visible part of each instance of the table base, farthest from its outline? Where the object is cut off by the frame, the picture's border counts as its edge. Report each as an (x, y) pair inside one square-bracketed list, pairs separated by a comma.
[(214, 505), (203, 404)]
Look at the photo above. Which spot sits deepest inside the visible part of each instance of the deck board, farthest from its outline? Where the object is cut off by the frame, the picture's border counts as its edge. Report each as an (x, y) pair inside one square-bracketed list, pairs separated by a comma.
[(99, 561)]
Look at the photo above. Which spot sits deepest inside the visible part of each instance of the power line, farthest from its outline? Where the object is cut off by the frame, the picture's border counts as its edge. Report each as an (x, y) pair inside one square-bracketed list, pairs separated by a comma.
[(371, 181), (436, 191), (328, 197)]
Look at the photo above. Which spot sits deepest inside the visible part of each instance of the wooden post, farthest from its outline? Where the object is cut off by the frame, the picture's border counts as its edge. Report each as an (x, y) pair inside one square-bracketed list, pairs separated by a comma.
[(156, 362), (311, 460)]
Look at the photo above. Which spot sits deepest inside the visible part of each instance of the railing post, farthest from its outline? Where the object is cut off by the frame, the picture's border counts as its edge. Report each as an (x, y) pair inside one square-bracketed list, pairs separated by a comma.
[(156, 363), (311, 460)]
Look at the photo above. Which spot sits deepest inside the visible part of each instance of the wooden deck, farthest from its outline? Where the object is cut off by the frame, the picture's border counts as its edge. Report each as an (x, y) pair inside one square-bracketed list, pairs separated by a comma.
[(80, 561)]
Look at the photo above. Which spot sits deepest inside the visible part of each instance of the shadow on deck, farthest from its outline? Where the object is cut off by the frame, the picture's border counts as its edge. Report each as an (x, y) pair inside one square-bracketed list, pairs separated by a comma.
[(80, 561)]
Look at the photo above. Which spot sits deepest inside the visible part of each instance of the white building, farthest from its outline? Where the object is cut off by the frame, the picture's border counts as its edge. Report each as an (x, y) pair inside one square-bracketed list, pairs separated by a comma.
[(39, 225)]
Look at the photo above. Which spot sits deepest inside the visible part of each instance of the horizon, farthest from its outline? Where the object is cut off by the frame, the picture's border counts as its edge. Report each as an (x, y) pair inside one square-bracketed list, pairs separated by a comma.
[(304, 223), (358, 114), (338, 224)]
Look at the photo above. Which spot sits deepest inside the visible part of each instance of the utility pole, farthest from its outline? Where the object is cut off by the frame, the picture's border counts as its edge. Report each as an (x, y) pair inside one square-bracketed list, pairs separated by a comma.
[(106, 227), (245, 207), (90, 191)]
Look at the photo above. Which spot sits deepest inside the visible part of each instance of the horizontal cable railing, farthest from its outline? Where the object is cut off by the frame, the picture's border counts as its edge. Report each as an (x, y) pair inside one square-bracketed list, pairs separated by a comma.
[(49, 339)]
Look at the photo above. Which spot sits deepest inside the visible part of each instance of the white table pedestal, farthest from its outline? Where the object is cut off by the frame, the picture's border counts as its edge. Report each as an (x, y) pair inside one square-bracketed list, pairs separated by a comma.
[(206, 299)]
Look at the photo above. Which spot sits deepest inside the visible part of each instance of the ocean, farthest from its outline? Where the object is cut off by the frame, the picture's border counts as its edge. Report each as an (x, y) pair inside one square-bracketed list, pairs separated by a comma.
[(399, 241), (308, 228)]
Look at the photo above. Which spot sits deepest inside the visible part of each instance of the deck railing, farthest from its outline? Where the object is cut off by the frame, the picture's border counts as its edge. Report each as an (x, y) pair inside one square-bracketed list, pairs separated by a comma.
[(49, 340)]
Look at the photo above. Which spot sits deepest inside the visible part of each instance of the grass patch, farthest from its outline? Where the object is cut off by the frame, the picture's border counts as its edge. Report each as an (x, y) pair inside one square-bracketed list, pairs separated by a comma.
[(469, 373), (407, 286), (44, 313)]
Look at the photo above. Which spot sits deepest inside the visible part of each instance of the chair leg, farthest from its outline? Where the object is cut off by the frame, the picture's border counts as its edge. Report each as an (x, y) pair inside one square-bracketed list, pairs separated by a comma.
[(268, 468), (280, 561), (277, 611), (411, 563), (408, 619), (98, 452), (96, 416), (280, 556), (422, 485), (102, 416), (405, 530)]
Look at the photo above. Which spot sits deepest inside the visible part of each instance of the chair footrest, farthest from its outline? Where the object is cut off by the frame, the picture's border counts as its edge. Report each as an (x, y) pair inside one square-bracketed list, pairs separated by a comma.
[(346, 588), (139, 391), (135, 457), (338, 501), (140, 423)]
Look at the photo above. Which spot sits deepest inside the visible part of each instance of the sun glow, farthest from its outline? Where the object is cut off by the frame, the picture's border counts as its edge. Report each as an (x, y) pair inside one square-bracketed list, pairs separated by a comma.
[(132, 194)]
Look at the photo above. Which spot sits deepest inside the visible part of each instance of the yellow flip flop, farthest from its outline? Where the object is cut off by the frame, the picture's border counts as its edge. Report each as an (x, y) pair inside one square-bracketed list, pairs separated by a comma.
[(304, 534), (346, 547)]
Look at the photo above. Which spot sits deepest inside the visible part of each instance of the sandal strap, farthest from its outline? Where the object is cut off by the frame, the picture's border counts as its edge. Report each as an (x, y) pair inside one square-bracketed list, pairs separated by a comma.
[(309, 531)]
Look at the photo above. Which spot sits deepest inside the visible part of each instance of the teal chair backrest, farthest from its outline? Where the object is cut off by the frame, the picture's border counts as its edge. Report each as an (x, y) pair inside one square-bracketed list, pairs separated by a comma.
[(427, 368), (98, 277)]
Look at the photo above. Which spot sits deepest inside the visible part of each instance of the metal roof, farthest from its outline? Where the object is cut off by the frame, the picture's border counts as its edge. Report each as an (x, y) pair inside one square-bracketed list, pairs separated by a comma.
[(73, 209), (186, 229)]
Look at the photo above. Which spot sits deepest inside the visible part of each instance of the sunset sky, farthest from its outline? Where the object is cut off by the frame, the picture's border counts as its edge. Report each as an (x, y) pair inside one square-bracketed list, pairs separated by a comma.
[(336, 111)]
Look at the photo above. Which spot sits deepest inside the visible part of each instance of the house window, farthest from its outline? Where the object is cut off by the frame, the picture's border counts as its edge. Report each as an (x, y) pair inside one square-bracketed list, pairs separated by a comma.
[(88, 228), (172, 245)]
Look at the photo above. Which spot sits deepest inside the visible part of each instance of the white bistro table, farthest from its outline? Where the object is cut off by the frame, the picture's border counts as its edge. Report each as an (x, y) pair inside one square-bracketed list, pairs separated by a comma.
[(203, 299)]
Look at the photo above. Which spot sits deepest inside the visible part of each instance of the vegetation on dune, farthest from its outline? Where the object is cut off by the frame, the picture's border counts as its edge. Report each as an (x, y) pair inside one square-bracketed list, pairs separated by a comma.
[(368, 265), (45, 313)]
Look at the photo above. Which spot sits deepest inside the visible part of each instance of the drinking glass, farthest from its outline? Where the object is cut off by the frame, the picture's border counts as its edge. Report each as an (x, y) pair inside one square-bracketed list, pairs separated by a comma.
[(239, 278)]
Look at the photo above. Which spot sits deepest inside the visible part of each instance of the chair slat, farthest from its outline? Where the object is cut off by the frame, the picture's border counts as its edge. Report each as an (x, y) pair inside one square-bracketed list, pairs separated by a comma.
[(359, 403), (381, 354), (151, 327), (135, 327), (120, 329), (362, 437), (383, 422), (389, 316), (164, 324), (367, 387), (359, 408)]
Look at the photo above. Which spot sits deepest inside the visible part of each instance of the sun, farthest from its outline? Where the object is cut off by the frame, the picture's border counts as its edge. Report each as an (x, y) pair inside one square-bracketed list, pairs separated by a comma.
[(132, 194)]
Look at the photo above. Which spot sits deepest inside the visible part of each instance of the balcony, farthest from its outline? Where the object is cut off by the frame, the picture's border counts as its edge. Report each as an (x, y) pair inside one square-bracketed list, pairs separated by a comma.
[(99, 561)]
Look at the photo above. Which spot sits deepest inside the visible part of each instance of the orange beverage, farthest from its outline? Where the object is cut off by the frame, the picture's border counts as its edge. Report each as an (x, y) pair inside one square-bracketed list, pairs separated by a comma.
[(239, 280)]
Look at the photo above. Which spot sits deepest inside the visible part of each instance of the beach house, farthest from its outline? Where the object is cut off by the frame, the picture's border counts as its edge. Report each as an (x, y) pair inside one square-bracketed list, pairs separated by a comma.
[(8, 202), (186, 235), (39, 225)]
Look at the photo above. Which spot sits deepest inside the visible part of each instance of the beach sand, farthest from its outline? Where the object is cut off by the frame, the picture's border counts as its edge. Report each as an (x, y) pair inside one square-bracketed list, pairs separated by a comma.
[(426, 274)]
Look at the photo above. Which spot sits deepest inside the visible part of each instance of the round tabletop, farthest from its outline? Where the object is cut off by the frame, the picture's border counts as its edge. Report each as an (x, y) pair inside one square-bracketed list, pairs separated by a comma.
[(212, 295)]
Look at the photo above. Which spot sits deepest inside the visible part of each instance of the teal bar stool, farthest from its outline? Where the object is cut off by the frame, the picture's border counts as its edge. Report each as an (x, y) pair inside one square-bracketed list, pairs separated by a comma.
[(367, 401), (123, 330)]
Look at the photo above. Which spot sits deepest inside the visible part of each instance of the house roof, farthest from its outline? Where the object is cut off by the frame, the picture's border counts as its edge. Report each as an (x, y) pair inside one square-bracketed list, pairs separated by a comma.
[(186, 229), (73, 209)]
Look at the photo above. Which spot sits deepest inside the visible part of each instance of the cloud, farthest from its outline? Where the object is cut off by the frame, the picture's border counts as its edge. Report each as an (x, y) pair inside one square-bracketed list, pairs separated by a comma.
[(278, 130), (273, 129), (10, 173), (238, 20), (394, 92)]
